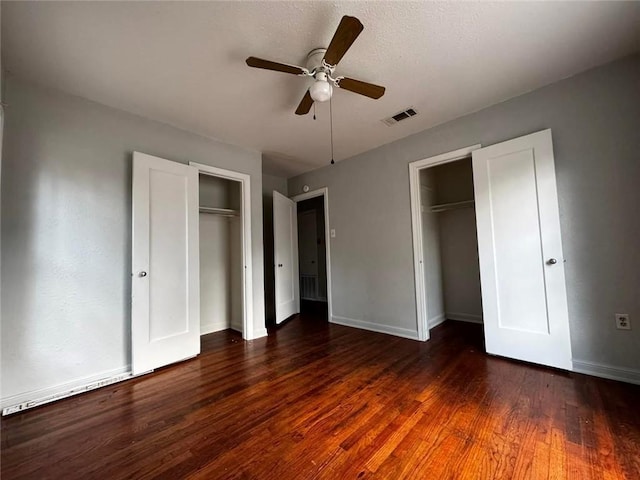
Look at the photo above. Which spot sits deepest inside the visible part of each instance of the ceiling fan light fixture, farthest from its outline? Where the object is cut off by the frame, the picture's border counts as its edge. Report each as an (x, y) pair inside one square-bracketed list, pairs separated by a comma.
[(321, 90)]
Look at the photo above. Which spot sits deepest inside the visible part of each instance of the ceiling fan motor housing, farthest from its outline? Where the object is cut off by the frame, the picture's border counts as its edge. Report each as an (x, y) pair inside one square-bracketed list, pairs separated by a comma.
[(314, 59)]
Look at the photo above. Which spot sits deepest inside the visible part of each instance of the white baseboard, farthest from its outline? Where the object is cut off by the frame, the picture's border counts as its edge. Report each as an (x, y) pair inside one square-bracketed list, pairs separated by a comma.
[(375, 327), (607, 371), (34, 398), (437, 320), (213, 327), (464, 317), (259, 333)]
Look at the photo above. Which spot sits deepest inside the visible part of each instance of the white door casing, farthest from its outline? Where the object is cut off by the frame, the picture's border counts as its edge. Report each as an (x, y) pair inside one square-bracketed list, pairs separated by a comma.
[(285, 241), (521, 263), (165, 304)]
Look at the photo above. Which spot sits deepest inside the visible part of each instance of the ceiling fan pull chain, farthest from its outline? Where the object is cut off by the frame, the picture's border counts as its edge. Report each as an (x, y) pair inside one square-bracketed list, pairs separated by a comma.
[(314, 111), (331, 126)]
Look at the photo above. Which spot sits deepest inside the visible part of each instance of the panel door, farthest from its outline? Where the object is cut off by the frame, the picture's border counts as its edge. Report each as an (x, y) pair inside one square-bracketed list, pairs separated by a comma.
[(521, 263), (285, 241), (165, 302)]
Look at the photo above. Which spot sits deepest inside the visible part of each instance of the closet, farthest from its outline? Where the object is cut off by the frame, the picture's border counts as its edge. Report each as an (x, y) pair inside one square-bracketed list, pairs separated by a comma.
[(450, 246), (220, 224)]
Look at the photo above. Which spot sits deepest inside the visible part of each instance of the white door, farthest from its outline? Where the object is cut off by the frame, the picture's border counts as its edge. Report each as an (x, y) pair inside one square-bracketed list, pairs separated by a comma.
[(165, 304), (285, 242), (521, 265)]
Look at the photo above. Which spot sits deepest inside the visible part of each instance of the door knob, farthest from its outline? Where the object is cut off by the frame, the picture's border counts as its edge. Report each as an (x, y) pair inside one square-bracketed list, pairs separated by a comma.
[(142, 274), (552, 261)]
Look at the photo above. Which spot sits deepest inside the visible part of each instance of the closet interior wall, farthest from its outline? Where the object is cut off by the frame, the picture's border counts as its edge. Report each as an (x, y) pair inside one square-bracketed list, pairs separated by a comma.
[(220, 255), (450, 246)]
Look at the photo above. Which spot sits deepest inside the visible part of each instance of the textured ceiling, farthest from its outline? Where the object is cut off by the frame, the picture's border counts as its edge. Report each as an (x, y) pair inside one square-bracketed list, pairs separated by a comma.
[(183, 63)]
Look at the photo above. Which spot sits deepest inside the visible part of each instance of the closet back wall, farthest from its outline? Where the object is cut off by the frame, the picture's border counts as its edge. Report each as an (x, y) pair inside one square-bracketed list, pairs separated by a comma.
[(458, 242), (220, 257), (66, 233)]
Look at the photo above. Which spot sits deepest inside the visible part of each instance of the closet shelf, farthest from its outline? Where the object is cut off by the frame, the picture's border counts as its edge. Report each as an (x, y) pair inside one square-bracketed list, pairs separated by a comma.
[(225, 212), (441, 207)]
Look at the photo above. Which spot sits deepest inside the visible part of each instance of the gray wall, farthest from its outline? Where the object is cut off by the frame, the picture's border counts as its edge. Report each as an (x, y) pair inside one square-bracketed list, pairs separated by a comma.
[(66, 232), (595, 117), (269, 184)]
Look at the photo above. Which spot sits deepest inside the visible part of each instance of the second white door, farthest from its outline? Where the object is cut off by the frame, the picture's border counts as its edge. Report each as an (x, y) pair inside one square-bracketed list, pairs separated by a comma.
[(285, 241), (165, 290), (521, 264)]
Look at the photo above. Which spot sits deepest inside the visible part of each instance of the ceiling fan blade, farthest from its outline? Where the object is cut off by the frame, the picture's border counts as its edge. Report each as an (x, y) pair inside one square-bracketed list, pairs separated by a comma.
[(346, 34), (278, 67), (305, 104), (363, 88)]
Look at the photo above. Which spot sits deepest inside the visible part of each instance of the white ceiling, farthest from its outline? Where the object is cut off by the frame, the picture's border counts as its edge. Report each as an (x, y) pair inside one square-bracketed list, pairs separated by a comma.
[(183, 63)]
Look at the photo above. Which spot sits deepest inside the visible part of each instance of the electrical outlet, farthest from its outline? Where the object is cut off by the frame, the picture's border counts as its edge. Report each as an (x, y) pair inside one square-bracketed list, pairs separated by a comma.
[(622, 321), (333, 233)]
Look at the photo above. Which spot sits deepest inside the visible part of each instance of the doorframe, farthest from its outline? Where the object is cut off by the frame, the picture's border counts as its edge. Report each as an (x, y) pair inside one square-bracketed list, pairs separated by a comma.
[(245, 208), (324, 191), (416, 228)]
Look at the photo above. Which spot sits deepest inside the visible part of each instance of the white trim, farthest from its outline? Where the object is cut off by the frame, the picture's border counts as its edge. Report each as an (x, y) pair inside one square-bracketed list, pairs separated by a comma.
[(375, 327), (35, 398), (416, 227), (437, 320), (464, 317), (324, 191), (603, 370), (260, 332), (248, 328), (213, 327)]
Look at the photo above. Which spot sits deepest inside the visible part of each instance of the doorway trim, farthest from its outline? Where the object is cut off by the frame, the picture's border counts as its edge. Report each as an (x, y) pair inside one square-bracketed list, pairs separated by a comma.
[(416, 228), (248, 330), (324, 191)]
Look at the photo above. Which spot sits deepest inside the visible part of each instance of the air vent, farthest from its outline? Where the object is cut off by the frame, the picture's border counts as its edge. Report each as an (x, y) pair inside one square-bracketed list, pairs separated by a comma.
[(398, 117)]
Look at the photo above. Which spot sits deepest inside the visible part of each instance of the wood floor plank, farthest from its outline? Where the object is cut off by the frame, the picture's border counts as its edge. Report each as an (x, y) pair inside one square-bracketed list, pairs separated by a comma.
[(321, 401)]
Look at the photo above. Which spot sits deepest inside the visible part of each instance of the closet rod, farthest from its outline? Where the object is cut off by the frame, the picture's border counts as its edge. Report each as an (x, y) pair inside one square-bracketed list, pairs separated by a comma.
[(225, 212)]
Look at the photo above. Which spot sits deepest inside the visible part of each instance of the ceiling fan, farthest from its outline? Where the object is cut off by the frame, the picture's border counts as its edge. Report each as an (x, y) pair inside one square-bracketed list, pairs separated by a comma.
[(321, 64)]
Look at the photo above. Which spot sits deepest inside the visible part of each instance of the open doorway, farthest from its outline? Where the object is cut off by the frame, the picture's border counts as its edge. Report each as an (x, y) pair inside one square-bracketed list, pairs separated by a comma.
[(220, 222), (225, 270), (445, 241), (312, 258), (449, 243)]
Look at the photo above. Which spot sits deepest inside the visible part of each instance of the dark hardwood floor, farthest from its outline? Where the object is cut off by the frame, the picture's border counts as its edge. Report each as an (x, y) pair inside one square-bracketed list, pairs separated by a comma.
[(315, 400)]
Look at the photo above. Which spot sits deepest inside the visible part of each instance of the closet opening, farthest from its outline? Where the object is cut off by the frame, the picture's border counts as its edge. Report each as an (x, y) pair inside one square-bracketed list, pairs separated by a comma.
[(448, 255), (312, 258), (221, 255)]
